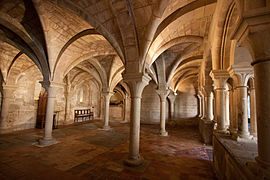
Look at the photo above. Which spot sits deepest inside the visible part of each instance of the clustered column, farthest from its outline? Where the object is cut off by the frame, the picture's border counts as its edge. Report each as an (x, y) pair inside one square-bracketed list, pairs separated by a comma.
[(163, 96), (136, 84)]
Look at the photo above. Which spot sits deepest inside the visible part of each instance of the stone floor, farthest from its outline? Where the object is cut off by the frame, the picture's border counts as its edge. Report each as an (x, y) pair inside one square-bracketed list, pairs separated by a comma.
[(86, 152)]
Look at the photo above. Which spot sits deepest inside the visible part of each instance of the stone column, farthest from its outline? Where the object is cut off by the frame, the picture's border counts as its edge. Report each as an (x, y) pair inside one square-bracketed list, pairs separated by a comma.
[(163, 96), (227, 108), (107, 97), (209, 113), (200, 106), (136, 84), (8, 95), (240, 76), (172, 97), (253, 115), (126, 115), (233, 121), (67, 111), (51, 89), (220, 77), (253, 32)]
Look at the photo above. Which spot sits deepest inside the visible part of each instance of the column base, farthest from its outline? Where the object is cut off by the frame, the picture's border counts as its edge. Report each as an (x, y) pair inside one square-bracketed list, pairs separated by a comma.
[(123, 122), (163, 133), (134, 162), (244, 136), (44, 142), (106, 128), (222, 131)]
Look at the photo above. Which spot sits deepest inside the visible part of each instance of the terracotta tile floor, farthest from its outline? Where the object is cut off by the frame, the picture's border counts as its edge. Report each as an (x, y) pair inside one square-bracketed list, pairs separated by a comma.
[(86, 152)]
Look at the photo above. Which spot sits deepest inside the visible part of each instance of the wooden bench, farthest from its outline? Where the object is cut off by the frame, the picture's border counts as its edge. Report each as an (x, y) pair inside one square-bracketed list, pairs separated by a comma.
[(83, 114)]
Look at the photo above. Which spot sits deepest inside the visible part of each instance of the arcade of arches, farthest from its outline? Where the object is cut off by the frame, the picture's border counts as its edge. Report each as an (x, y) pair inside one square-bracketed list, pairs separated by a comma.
[(168, 63)]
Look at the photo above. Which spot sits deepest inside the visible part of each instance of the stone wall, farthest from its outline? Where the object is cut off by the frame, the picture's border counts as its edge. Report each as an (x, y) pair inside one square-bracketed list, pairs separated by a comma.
[(186, 108), (21, 107), (85, 96), (150, 105)]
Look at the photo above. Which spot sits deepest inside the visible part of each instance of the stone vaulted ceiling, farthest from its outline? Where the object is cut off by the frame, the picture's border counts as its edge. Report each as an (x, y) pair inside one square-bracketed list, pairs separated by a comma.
[(106, 36)]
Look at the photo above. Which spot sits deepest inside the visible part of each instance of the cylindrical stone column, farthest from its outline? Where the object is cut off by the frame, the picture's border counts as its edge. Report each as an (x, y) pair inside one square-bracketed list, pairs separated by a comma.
[(163, 96), (233, 122), (126, 110), (67, 111), (262, 87), (136, 84), (203, 106), (253, 115), (227, 109), (209, 114), (220, 78), (172, 97), (242, 112), (107, 96), (51, 94), (200, 106)]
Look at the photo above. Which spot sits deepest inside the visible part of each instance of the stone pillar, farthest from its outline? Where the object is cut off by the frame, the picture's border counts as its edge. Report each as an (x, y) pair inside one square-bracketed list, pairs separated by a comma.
[(227, 108), (253, 32), (262, 87), (8, 95), (136, 84), (126, 115), (220, 77), (209, 113), (107, 97), (233, 121), (253, 115), (51, 89), (172, 97), (163, 96), (240, 76), (200, 106), (67, 111)]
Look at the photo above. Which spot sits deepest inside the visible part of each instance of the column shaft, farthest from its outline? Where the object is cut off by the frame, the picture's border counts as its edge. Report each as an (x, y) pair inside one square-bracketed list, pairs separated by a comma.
[(209, 114), (253, 115), (262, 86), (107, 96), (242, 112), (51, 94), (227, 109), (220, 109), (136, 84), (163, 95)]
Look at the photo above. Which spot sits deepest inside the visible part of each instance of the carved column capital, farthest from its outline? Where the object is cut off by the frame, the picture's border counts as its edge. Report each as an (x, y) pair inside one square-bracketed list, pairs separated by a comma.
[(220, 78), (136, 83), (240, 75)]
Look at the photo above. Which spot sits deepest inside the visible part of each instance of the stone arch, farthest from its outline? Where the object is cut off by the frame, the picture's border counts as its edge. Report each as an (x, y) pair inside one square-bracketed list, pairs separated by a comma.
[(183, 39), (73, 39), (90, 57), (94, 22), (219, 30)]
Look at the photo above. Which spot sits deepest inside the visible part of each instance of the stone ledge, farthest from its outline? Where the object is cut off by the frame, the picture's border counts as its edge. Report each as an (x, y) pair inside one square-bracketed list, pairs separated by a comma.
[(235, 160)]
